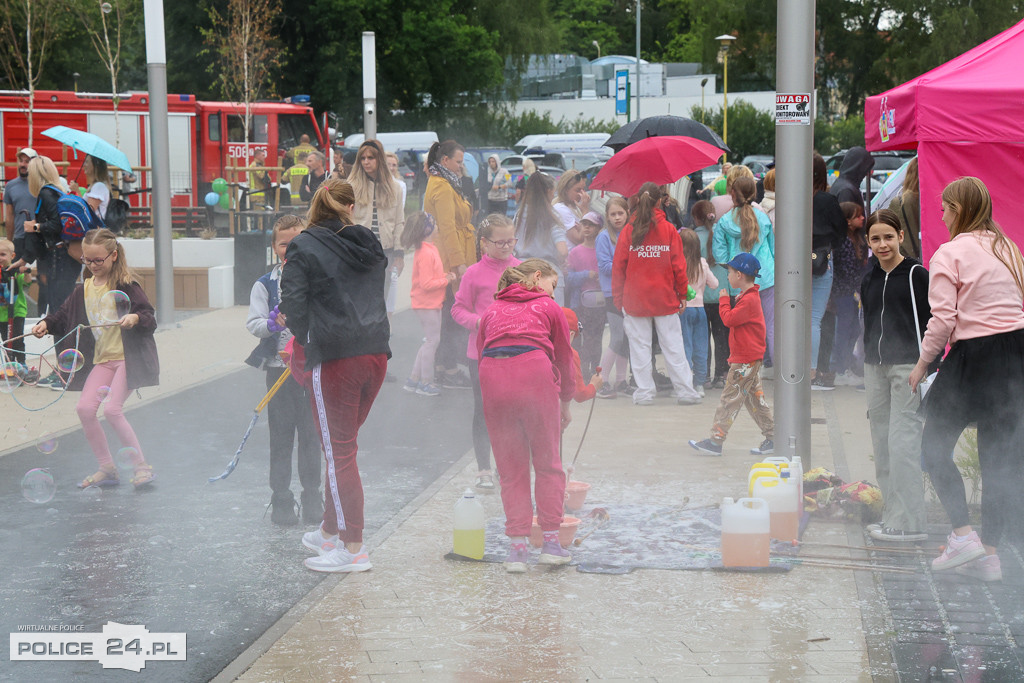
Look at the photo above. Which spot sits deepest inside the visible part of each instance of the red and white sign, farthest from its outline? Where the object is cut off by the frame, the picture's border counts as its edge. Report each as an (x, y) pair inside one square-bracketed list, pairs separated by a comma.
[(793, 109)]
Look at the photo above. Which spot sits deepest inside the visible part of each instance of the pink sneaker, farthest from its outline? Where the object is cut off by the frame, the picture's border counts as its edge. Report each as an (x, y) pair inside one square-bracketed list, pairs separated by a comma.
[(986, 568), (959, 552)]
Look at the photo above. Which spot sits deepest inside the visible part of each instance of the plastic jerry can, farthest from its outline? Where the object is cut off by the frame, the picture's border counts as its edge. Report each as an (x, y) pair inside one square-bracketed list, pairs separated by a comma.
[(780, 494), (470, 523), (796, 473), (745, 532), (756, 472)]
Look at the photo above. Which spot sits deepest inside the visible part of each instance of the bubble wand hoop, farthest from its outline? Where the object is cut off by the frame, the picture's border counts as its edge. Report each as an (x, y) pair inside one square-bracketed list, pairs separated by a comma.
[(252, 423)]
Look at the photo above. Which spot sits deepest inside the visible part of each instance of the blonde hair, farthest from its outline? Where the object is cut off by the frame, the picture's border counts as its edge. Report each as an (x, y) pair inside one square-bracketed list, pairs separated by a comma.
[(288, 221), (647, 201), (120, 273), (621, 202), (971, 202), (489, 223), (6, 244), (331, 202), (529, 167), (743, 192), (391, 155), (42, 171), (735, 173), (525, 273), (382, 183), (568, 179)]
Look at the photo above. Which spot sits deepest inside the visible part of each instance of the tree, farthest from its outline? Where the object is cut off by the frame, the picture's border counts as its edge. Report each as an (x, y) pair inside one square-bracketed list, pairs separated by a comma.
[(248, 54), (28, 28), (751, 131), (101, 20)]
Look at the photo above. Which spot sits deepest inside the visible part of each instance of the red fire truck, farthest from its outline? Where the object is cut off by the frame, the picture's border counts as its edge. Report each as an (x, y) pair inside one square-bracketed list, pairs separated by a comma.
[(204, 136)]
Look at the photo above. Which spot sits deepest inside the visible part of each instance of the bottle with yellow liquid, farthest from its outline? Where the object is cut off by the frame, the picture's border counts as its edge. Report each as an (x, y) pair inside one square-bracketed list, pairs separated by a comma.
[(470, 522)]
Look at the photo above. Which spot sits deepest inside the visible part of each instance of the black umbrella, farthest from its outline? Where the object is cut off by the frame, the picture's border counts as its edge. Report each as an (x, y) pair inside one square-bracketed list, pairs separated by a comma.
[(654, 126)]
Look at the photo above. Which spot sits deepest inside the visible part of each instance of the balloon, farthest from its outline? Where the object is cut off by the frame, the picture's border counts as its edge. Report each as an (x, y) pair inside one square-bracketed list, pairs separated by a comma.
[(225, 201), (211, 198), (220, 186)]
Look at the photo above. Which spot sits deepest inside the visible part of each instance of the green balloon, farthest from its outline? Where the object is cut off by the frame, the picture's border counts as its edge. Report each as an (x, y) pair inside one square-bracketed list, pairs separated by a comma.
[(225, 201), (220, 186), (719, 186), (690, 293)]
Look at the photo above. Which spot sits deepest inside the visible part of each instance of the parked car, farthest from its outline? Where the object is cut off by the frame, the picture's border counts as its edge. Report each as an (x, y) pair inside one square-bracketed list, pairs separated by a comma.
[(758, 163)]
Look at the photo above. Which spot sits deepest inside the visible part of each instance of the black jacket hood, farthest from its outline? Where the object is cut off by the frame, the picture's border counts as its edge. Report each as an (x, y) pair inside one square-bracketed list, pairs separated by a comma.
[(359, 249), (856, 164)]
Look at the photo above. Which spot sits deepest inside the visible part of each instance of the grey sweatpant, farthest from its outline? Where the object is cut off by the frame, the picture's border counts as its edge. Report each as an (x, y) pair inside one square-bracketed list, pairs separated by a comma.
[(896, 438)]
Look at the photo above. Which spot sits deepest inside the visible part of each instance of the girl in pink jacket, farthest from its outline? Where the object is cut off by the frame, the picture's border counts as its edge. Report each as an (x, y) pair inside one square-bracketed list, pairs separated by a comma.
[(976, 294), (476, 294), (429, 282), (525, 368)]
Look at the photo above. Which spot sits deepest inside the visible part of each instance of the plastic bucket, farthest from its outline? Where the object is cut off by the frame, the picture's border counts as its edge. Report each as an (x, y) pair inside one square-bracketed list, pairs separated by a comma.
[(566, 532), (575, 495)]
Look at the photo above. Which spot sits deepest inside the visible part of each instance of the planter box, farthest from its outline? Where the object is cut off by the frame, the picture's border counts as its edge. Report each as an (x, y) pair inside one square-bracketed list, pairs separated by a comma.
[(203, 270)]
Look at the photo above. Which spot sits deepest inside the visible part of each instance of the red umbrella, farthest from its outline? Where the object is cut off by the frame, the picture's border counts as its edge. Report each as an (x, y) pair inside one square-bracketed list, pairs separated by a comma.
[(662, 160)]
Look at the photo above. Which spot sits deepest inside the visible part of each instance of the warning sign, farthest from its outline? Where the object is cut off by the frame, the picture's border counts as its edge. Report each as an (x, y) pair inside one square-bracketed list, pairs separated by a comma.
[(793, 109)]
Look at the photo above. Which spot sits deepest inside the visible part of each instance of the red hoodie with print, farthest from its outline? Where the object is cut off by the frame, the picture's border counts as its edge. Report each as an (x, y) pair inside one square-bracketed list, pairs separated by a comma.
[(649, 280)]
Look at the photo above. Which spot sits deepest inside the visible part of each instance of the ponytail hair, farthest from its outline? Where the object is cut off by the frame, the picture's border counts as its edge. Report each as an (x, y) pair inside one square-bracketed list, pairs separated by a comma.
[(417, 227), (448, 148), (331, 202), (703, 213), (743, 192), (648, 198), (525, 273), (120, 274)]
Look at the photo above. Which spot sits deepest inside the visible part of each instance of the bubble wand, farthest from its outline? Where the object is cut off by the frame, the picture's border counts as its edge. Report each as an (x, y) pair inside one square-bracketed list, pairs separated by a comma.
[(252, 423)]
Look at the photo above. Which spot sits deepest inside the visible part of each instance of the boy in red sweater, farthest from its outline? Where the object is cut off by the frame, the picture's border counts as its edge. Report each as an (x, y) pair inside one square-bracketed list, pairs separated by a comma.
[(745, 321)]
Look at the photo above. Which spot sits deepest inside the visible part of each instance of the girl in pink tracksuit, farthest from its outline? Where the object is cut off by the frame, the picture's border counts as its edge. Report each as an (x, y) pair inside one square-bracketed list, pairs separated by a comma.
[(497, 237), (525, 368)]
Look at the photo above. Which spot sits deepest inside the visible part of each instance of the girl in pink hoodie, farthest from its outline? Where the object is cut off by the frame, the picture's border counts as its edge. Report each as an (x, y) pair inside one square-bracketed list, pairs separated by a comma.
[(476, 294), (976, 294), (525, 368)]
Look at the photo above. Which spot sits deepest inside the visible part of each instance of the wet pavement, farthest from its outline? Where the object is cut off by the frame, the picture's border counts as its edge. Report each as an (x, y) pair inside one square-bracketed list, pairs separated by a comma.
[(190, 556)]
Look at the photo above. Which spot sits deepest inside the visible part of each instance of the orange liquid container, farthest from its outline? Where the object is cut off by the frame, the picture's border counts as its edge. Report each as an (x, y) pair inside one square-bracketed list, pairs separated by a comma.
[(745, 530), (781, 495)]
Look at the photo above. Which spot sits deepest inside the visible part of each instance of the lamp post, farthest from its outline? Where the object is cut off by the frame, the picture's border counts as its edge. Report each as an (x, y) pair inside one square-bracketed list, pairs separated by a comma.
[(638, 59), (703, 82), (598, 46), (723, 51), (76, 76)]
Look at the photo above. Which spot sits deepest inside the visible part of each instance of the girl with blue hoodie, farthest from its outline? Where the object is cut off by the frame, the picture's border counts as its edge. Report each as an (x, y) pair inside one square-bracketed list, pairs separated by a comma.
[(746, 228)]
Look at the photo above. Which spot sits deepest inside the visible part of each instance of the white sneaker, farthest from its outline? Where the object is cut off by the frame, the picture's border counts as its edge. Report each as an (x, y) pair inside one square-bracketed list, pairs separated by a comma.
[(700, 390), (340, 560), (315, 541)]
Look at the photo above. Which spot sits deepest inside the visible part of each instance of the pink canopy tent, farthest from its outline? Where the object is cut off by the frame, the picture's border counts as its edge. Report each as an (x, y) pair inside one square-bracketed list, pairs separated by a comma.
[(966, 118)]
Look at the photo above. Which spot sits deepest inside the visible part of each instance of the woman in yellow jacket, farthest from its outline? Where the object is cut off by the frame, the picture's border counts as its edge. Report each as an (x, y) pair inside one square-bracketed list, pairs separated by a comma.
[(456, 241)]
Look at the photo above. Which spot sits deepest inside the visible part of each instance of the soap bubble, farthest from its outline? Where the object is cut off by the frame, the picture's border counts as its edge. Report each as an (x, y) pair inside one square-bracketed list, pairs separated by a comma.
[(46, 444), (103, 393), (70, 360), (114, 305), (125, 458), (106, 8), (11, 376), (37, 486), (94, 492)]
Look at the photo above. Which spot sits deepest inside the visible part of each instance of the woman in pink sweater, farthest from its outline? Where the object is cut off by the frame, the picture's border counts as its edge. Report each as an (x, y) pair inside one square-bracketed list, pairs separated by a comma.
[(525, 368), (976, 293), (429, 282), (476, 294)]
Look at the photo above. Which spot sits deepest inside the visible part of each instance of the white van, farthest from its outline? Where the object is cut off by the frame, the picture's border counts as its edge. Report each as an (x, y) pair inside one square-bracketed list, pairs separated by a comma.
[(394, 141), (564, 142)]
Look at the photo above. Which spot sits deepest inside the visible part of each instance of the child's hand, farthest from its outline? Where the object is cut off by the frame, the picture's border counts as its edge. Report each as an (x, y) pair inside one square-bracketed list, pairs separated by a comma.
[(450, 277), (129, 321), (39, 329), (276, 320), (597, 381), (593, 275)]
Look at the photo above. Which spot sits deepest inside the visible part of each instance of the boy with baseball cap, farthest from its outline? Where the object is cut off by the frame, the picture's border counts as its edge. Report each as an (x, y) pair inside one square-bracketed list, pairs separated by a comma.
[(745, 321)]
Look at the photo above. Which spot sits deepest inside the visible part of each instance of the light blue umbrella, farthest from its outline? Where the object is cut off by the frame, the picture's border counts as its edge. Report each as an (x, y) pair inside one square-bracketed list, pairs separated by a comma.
[(90, 144)]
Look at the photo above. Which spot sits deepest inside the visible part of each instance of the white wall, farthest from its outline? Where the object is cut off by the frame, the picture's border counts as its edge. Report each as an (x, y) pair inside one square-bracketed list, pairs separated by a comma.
[(604, 108)]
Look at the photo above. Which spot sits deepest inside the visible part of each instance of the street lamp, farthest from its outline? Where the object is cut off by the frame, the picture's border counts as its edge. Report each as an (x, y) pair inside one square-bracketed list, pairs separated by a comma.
[(598, 46), (703, 82), (723, 52), (75, 76)]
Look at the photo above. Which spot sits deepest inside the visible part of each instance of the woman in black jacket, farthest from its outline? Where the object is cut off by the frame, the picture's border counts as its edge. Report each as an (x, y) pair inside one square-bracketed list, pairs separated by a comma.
[(894, 295), (828, 233), (57, 264), (334, 304)]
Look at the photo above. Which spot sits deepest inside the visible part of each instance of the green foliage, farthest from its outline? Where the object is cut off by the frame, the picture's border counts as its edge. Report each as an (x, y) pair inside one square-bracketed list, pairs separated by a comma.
[(751, 131), (832, 136)]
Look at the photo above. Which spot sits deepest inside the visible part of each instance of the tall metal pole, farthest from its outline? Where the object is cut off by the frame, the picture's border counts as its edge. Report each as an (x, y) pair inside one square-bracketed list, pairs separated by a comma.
[(638, 59), (369, 85), (159, 146), (793, 150), (725, 95)]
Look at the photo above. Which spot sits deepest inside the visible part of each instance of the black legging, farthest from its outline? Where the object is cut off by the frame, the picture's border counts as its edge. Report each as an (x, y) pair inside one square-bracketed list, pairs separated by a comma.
[(720, 335), (481, 440)]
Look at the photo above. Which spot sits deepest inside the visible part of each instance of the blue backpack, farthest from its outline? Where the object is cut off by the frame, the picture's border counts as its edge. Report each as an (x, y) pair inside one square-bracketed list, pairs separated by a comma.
[(76, 217)]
